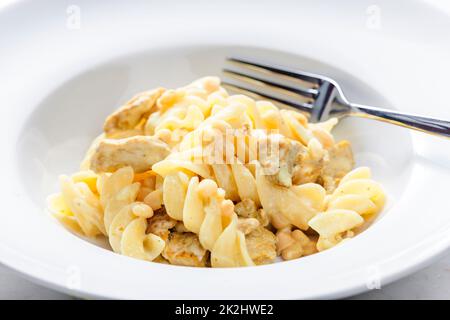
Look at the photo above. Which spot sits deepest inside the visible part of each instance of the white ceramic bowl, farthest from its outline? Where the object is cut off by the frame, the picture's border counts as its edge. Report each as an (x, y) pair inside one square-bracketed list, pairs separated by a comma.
[(62, 73)]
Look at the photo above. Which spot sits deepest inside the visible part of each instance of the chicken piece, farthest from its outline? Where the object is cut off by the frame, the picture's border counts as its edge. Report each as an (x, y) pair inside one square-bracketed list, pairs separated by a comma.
[(132, 113), (287, 162), (247, 225), (139, 152), (160, 224), (277, 156), (308, 167), (184, 249), (247, 209), (138, 131), (180, 227), (340, 162), (261, 246)]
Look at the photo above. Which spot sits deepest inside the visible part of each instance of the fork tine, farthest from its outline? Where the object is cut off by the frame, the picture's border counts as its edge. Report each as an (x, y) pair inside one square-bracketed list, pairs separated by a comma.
[(305, 107), (308, 93), (296, 74)]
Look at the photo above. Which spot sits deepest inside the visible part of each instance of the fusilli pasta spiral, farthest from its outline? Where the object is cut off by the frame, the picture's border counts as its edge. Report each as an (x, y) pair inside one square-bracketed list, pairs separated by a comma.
[(125, 219), (197, 177), (204, 211)]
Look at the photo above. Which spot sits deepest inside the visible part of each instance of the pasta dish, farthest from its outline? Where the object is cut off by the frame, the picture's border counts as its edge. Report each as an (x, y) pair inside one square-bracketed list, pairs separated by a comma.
[(198, 177)]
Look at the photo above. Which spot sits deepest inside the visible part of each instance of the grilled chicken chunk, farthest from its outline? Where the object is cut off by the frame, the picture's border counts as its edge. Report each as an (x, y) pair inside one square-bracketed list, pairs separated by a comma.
[(160, 224), (139, 152), (277, 157), (294, 164), (261, 245), (184, 249), (247, 225), (340, 162), (247, 209), (131, 114), (308, 167)]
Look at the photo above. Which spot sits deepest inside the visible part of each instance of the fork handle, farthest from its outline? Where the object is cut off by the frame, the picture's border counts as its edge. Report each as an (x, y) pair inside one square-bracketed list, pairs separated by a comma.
[(429, 125)]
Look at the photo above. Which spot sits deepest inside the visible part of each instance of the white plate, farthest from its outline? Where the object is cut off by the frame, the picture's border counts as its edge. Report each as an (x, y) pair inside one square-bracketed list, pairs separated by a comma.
[(58, 82)]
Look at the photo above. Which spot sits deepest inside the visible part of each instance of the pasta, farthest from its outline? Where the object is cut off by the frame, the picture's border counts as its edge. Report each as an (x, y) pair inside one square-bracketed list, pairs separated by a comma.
[(125, 219), (355, 197), (197, 177)]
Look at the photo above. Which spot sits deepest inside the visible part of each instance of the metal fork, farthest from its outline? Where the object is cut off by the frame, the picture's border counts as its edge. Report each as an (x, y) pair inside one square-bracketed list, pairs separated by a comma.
[(318, 96)]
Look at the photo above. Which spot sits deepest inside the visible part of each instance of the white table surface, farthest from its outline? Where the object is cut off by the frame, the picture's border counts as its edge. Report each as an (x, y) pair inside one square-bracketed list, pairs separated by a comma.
[(430, 283)]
